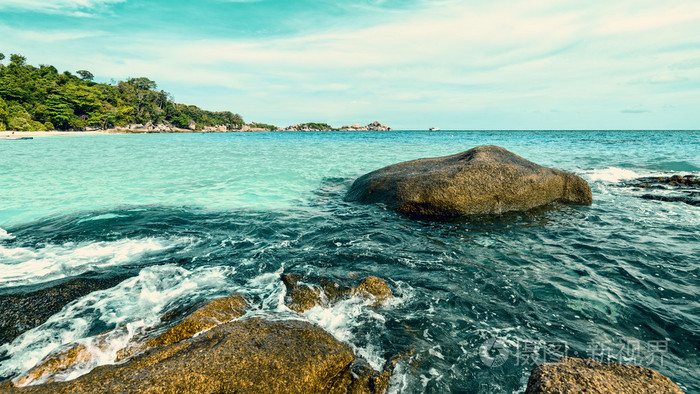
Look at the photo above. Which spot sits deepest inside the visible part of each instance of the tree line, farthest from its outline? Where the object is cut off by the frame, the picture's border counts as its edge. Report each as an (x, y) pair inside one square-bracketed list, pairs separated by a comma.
[(40, 98)]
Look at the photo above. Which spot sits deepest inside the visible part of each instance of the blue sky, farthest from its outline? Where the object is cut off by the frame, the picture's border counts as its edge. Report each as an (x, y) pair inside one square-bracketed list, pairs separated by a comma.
[(540, 64)]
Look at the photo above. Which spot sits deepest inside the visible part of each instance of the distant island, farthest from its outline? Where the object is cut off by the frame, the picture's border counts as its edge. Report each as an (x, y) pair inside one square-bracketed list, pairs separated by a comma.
[(42, 99)]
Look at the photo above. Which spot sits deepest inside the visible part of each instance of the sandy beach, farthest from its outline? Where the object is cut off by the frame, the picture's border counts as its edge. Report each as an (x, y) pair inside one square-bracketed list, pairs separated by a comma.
[(49, 133)]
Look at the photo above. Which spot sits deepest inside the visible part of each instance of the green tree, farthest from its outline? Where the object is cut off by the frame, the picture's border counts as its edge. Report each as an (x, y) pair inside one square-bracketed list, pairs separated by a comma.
[(4, 113), (37, 98), (85, 75), (18, 60)]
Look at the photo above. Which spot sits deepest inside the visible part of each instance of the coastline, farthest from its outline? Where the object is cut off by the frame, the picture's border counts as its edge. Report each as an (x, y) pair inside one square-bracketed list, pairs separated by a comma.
[(52, 133), (141, 129)]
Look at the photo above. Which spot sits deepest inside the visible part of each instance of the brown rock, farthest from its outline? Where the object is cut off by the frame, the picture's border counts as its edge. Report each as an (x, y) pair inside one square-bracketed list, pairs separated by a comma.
[(216, 312), (674, 180), (212, 314), (483, 180), (55, 363), (574, 375), (252, 356), (375, 287), (302, 297)]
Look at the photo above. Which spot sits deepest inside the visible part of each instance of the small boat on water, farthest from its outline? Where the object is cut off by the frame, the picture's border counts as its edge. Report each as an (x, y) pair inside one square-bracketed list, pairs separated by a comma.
[(434, 129), (12, 137)]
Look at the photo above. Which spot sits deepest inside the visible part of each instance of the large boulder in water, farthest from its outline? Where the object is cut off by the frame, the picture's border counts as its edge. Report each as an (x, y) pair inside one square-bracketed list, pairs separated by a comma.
[(575, 375), (481, 181)]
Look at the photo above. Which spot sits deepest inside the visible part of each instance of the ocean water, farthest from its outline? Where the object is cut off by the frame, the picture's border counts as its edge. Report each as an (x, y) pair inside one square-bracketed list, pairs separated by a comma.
[(178, 219)]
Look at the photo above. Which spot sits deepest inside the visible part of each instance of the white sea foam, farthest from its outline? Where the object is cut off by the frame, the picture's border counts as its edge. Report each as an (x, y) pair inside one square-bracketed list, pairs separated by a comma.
[(136, 305), (130, 307), (4, 235), (346, 316), (610, 174), (102, 217), (23, 266)]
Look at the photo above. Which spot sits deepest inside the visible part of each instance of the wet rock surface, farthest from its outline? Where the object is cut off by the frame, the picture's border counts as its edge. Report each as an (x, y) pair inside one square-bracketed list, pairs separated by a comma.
[(574, 375), (484, 180), (44, 303), (674, 180), (305, 293), (216, 312), (252, 356), (233, 356), (676, 188)]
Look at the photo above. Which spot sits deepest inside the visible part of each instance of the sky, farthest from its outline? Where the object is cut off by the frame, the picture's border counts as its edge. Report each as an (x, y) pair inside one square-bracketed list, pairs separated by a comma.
[(411, 64)]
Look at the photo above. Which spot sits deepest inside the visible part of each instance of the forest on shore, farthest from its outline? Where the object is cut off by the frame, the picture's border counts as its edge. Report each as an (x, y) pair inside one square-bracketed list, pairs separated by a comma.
[(40, 98)]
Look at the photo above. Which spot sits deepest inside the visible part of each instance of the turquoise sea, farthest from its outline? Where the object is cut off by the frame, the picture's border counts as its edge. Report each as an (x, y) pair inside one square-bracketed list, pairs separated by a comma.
[(165, 221)]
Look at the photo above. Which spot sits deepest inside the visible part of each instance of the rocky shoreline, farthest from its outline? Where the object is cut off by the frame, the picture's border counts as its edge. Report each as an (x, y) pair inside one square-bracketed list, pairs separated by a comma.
[(224, 347), (219, 349), (138, 128), (216, 349)]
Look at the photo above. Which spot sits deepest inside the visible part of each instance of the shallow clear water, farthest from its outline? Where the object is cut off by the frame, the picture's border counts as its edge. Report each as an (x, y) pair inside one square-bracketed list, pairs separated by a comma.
[(190, 217)]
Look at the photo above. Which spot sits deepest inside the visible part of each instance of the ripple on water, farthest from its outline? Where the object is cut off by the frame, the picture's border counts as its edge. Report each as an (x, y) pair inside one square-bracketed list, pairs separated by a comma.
[(622, 270)]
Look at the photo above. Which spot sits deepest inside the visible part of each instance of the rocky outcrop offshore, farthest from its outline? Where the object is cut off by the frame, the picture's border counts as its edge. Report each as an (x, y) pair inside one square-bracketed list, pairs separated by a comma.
[(213, 350), (675, 188), (374, 126), (575, 375), (485, 180), (308, 127)]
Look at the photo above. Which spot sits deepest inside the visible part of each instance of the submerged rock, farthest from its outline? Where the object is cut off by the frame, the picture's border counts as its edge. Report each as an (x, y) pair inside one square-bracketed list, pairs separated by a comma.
[(574, 375), (483, 180), (304, 296), (22, 312), (374, 287), (674, 180), (675, 188)]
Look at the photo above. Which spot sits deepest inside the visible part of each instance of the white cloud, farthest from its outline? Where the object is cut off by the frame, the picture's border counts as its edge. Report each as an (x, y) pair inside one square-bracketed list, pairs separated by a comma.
[(500, 59), (56, 6)]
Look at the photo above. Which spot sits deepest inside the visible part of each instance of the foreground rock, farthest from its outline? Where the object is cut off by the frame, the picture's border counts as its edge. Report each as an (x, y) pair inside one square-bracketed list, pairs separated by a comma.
[(216, 312), (481, 181), (252, 356), (233, 356), (574, 375)]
